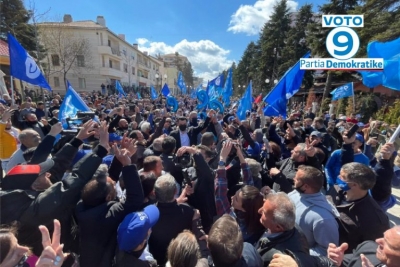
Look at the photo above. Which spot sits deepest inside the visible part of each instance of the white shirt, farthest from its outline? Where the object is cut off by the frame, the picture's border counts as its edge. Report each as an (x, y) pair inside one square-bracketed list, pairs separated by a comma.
[(184, 138)]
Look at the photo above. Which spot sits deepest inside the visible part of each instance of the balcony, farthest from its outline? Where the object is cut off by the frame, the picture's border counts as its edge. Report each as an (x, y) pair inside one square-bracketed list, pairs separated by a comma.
[(110, 51), (111, 72)]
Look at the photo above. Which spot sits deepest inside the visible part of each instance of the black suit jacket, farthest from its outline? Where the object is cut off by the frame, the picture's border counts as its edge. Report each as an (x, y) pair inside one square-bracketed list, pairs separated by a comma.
[(192, 132)]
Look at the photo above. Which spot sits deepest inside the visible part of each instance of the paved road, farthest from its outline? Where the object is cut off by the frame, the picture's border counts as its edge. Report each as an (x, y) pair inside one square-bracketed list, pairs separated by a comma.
[(394, 213)]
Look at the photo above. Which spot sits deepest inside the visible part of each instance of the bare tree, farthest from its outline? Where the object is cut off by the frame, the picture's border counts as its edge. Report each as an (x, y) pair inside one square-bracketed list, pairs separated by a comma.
[(67, 51)]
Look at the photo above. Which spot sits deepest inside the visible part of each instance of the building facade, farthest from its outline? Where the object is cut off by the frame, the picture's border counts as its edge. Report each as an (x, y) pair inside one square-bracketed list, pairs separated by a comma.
[(106, 58)]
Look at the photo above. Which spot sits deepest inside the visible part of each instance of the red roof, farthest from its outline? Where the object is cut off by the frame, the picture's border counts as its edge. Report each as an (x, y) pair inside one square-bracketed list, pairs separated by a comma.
[(4, 49)]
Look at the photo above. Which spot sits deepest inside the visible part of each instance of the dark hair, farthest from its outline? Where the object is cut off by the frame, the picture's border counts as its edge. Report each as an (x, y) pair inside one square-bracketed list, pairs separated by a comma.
[(207, 139), (360, 174), (313, 177), (225, 241), (6, 233), (150, 163), (276, 150), (207, 150), (148, 180), (168, 145), (134, 134), (252, 201)]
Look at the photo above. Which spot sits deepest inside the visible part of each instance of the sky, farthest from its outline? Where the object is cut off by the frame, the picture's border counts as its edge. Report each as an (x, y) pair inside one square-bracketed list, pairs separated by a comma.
[(211, 33)]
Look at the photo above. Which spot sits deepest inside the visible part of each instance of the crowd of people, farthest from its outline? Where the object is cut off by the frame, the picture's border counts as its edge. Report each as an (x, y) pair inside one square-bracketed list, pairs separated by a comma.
[(139, 184)]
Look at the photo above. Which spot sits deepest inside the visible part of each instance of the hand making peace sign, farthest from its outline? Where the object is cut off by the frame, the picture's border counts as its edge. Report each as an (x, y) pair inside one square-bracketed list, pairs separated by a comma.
[(52, 254)]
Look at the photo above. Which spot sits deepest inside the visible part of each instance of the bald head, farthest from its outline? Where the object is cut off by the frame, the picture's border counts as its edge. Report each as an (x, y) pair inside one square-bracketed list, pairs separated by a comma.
[(29, 138)]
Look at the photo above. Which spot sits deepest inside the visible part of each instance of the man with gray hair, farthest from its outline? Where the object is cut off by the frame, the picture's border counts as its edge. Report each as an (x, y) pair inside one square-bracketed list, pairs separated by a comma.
[(174, 218), (278, 217)]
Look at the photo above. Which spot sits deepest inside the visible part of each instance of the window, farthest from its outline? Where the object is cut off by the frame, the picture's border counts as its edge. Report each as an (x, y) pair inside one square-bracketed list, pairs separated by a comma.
[(80, 61), (133, 71), (101, 38), (55, 60), (82, 83), (56, 82), (139, 73), (110, 63), (103, 61), (125, 68)]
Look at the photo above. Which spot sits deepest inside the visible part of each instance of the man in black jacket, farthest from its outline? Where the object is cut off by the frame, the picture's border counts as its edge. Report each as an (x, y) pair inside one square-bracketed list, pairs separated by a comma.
[(283, 174), (99, 214), (188, 136), (39, 199)]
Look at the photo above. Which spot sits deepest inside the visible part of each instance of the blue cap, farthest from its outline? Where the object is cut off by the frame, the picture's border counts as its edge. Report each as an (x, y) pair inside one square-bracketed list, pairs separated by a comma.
[(114, 137), (360, 138), (134, 228), (231, 118)]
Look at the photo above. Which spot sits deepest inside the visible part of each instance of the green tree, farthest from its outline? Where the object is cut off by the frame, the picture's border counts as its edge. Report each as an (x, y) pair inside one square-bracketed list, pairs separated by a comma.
[(14, 18), (391, 114), (272, 42), (317, 39), (187, 73), (243, 72), (296, 45)]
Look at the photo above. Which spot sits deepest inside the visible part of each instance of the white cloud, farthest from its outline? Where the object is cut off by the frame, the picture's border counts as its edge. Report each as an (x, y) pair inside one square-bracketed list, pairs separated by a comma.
[(207, 58), (250, 19)]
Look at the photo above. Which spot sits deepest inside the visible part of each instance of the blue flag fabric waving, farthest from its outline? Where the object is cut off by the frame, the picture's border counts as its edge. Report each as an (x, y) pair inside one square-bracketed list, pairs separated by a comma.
[(153, 93), (228, 89), (214, 87), (245, 103), (23, 66), (181, 83), (119, 88), (390, 76), (138, 95), (70, 106), (343, 91), (288, 85), (165, 90)]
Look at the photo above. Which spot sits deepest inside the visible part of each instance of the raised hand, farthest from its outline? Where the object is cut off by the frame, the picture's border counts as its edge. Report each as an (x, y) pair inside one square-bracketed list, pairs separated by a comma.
[(52, 254), (56, 129), (104, 135), (347, 140), (86, 131), (226, 149), (387, 150), (310, 149), (122, 155)]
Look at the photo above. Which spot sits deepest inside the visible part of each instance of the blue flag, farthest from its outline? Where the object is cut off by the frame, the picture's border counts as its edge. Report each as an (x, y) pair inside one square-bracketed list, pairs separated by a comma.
[(138, 95), (245, 103), (215, 87), (343, 91), (390, 76), (153, 93), (119, 88), (165, 90), (288, 85), (70, 106), (228, 89), (181, 83), (23, 66)]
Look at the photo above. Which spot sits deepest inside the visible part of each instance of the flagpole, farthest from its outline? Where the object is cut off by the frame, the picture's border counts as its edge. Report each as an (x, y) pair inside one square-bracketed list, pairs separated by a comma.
[(354, 100), (12, 90)]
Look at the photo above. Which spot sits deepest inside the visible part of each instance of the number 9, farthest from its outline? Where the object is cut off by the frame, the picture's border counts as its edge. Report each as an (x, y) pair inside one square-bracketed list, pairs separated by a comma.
[(340, 49)]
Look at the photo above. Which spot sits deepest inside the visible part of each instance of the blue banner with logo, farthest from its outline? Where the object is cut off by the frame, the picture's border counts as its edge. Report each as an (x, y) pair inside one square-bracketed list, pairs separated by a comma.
[(343, 91), (23, 66)]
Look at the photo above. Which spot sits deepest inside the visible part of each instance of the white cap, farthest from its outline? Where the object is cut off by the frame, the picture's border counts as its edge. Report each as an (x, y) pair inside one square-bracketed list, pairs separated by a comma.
[(343, 118)]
